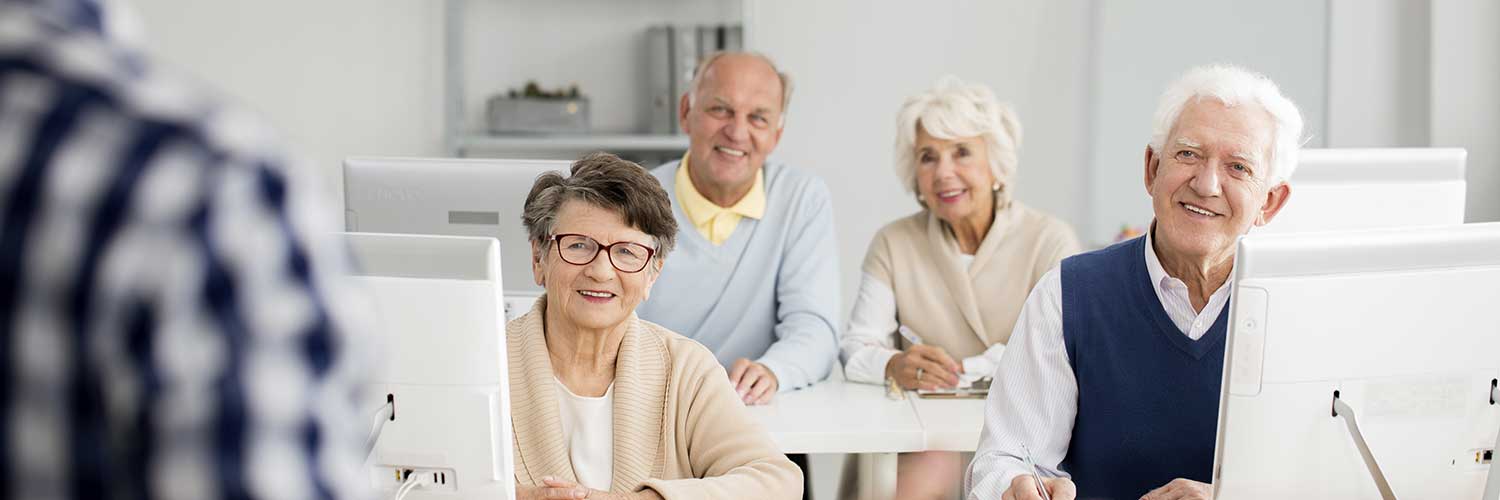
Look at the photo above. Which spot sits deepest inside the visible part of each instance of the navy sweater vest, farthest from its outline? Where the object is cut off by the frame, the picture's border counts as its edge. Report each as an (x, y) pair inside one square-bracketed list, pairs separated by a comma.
[(1148, 396)]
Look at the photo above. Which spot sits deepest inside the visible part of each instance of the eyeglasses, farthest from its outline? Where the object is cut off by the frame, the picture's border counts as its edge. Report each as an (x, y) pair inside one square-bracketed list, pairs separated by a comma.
[(581, 250)]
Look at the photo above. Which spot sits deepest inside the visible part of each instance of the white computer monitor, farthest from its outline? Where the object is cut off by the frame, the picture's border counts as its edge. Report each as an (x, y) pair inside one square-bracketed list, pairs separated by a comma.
[(455, 197), (1343, 189), (1400, 322), (437, 302)]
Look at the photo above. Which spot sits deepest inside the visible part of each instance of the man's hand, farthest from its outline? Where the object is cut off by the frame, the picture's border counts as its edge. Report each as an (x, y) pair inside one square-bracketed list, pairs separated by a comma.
[(753, 381), (1181, 489), (938, 370), (1024, 488)]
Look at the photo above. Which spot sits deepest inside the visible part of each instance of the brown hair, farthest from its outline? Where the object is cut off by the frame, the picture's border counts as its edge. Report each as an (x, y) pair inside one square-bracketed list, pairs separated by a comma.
[(605, 181)]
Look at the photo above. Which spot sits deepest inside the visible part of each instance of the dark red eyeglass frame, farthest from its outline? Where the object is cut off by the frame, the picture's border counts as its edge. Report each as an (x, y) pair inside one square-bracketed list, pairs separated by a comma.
[(556, 240)]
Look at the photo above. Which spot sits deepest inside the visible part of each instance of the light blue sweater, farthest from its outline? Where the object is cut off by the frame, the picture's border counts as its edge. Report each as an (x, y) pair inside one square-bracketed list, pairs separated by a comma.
[(770, 293)]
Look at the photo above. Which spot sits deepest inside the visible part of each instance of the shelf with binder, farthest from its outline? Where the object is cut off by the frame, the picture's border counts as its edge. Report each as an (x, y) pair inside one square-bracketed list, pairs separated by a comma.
[(625, 70), (572, 142)]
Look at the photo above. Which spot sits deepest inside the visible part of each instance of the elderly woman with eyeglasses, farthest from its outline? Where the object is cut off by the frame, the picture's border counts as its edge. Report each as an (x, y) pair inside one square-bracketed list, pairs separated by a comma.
[(951, 278), (603, 404)]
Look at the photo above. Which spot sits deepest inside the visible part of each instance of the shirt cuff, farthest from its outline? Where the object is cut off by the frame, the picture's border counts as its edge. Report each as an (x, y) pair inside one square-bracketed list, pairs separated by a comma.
[(868, 364), (984, 364), (994, 486), (787, 377)]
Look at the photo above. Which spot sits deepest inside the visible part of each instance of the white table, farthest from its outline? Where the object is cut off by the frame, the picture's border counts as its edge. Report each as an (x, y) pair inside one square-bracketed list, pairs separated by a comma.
[(835, 416), (950, 424)]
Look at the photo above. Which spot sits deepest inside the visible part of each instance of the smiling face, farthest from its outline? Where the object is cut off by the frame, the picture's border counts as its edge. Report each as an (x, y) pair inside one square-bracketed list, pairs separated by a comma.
[(954, 177), (1209, 185), (595, 295), (733, 120)]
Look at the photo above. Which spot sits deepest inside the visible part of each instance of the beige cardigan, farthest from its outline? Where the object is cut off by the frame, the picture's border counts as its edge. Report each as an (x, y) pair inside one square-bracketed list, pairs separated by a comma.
[(679, 427), (965, 311)]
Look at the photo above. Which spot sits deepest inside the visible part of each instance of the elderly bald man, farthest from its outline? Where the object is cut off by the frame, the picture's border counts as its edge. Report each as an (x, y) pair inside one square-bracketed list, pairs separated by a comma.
[(1111, 381), (756, 275)]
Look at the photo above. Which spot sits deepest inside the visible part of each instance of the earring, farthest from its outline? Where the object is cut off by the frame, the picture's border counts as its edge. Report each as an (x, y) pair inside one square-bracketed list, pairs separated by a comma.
[(995, 187)]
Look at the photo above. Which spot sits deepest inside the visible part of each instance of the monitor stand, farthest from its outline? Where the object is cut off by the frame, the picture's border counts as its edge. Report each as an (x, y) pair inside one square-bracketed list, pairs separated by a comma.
[(1342, 409), (1492, 486)]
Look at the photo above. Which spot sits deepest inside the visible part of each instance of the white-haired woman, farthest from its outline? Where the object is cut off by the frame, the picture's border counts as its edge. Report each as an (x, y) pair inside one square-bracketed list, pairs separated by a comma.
[(956, 273)]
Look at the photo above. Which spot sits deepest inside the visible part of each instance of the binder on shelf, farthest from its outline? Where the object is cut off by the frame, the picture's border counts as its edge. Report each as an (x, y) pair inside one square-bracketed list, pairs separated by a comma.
[(661, 114), (708, 41), (684, 61), (672, 54), (734, 38)]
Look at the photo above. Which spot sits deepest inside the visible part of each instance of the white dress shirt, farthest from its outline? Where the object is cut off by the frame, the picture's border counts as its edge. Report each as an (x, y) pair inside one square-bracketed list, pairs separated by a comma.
[(869, 342), (588, 429), (1034, 397)]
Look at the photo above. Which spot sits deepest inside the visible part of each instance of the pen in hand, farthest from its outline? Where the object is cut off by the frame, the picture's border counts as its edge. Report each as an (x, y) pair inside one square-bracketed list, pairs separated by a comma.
[(922, 354), (910, 336), (1041, 489)]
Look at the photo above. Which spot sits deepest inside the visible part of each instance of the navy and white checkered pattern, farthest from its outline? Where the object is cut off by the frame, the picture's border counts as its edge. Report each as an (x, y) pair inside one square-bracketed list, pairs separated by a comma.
[(169, 326)]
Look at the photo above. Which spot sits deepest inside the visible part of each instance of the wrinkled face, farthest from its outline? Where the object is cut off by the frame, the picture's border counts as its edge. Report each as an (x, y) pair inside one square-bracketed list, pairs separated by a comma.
[(594, 295), (1209, 185), (733, 120), (954, 176)]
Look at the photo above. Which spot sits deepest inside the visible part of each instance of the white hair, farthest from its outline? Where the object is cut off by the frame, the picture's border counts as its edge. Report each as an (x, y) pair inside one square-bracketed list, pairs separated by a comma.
[(1233, 85), (953, 109)]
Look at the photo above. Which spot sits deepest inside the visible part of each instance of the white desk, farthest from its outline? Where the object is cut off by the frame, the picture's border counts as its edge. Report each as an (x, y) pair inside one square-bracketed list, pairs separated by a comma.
[(834, 416), (950, 424)]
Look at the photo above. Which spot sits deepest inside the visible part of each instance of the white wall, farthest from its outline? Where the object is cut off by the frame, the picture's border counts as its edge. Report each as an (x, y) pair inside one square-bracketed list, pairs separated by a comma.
[(1420, 73), (337, 77), (1377, 70), (1466, 95), (1142, 46)]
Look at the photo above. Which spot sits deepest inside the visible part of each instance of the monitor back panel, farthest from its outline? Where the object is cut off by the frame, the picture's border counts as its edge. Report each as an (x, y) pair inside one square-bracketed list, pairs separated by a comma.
[(1344, 189), (1401, 326), (454, 197)]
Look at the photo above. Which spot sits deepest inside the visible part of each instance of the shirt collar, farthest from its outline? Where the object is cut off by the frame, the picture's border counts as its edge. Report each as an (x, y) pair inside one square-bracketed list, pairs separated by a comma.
[(700, 209), (1159, 277)]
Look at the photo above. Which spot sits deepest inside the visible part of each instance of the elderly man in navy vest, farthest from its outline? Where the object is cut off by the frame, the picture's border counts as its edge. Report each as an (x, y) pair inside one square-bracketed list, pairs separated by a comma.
[(1110, 385)]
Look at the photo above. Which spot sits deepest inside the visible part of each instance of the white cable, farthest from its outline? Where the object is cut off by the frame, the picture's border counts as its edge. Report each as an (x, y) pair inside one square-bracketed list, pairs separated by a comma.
[(381, 416), (414, 481)]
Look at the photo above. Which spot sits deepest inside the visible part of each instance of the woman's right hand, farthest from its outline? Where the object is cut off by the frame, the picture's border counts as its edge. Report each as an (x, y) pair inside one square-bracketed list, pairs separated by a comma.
[(553, 489), (938, 370)]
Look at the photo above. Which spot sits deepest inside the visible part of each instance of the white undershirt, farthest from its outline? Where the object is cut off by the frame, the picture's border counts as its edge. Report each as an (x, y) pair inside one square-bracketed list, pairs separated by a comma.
[(588, 429), (1034, 399)]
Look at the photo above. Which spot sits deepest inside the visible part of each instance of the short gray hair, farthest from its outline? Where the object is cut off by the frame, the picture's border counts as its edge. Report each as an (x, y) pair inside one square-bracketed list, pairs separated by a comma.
[(953, 109), (703, 65), (605, 181), (1232, 85)]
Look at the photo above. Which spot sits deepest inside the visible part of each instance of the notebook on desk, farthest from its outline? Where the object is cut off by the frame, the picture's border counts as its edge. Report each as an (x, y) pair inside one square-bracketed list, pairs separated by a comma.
[(979, 389)]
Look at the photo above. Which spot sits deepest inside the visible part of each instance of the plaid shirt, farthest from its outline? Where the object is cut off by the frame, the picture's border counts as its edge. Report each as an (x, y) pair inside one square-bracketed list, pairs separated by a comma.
[(169, 326)]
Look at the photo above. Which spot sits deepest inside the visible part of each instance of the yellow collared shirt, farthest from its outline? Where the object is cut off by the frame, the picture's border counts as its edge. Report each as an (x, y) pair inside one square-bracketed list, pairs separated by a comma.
[(715, 222)]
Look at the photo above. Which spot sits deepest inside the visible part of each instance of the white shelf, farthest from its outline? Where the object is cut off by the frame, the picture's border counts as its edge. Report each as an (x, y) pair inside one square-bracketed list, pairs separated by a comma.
[(574, 142), (464, 136)]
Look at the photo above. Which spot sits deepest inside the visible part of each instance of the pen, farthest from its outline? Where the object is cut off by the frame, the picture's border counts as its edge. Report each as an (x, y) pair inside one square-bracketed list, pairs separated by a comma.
[(910, 336), (1040, 488)]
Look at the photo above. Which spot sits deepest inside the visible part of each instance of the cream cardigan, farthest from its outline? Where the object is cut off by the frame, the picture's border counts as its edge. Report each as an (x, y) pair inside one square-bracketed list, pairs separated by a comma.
[(679, 427), (966, 310)]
